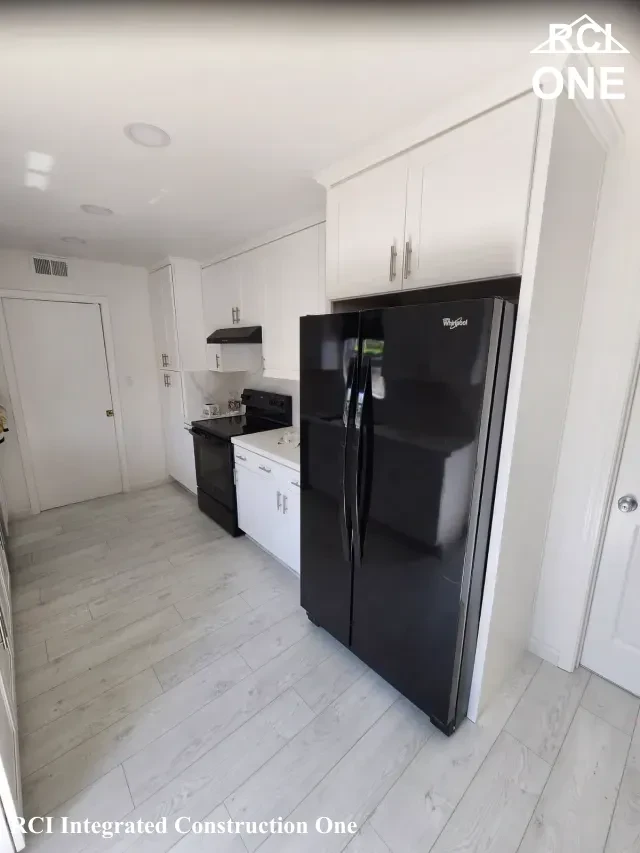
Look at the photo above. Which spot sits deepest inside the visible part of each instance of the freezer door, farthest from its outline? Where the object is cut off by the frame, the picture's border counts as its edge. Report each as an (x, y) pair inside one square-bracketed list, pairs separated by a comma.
[(417, 428), (329, 365)]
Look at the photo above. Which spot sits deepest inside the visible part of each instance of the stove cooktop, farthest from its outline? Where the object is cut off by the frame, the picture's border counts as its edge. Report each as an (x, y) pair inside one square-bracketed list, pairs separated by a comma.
[(227, 428)]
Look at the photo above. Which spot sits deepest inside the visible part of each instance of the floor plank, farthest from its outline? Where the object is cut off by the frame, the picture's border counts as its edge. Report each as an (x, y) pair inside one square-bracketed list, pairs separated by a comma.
[(611, 703), (281, 784), (329, 680), (270, 643), (30, 658), (542, 719), (63, 669), (152, 767), (105, 800), (624, 833), (68, 774), (38, 624), (496, 808), (224, 843), (220, 771), (208, 645), (355, 786), (83, 688), (416, 809), (575, 809), (46, 744), (367, 841)]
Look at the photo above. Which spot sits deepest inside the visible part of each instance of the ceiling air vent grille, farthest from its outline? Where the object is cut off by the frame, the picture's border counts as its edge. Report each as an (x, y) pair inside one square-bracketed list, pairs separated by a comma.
[(46, 266)]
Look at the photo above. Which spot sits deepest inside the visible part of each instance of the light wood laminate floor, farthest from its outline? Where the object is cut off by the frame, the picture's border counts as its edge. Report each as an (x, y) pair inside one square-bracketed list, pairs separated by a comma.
[(165, 669)]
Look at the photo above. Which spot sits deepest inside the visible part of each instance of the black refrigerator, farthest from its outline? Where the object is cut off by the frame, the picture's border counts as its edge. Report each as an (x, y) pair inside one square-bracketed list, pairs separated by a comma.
[(401, 413)]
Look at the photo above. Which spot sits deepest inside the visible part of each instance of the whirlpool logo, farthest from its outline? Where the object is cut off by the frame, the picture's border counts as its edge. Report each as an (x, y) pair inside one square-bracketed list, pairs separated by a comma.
[(448, 323)]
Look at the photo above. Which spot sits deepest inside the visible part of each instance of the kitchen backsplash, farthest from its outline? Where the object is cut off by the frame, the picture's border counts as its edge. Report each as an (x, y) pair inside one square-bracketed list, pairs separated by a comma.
[(206, 386), (280, 386)]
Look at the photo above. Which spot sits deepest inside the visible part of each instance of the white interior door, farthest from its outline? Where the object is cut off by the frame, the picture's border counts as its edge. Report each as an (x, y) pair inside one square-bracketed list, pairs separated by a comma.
[(612, 643), (61, 369)]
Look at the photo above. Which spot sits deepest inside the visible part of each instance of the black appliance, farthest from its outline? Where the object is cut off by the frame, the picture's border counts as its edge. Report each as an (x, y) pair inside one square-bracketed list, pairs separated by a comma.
[(214, 451), (236, 335), (401, 416)]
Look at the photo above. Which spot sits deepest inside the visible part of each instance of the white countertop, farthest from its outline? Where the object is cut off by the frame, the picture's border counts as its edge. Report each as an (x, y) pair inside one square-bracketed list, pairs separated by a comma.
[(266, 444)]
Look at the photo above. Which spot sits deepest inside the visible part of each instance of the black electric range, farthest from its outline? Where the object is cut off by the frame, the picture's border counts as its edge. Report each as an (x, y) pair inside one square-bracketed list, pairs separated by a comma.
[(214, 451)]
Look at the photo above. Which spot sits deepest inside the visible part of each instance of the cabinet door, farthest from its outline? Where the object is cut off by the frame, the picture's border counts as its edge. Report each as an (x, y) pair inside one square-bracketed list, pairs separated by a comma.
[(365, 231), (256, 497), (220, 294), (163, 318), (468, 196), (178, 442), (189, 314), (291, 515), (252, 270), (294, 287)]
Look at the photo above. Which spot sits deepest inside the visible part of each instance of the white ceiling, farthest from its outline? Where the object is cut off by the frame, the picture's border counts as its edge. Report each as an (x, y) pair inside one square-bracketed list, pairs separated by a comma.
[(256, 103)]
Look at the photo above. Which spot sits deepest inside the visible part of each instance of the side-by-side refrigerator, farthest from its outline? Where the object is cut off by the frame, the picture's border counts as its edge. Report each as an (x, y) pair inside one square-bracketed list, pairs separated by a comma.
[(401, 414)]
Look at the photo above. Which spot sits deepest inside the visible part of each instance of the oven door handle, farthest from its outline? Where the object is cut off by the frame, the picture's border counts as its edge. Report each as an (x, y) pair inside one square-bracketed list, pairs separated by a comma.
[(212, 438)]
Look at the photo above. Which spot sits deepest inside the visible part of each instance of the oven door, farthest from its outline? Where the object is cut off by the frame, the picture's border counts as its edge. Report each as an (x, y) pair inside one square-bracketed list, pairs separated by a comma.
[(214, 467)]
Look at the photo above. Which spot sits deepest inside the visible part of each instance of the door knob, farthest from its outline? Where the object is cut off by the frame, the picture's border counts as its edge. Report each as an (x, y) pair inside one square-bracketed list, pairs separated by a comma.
[(627, 503)]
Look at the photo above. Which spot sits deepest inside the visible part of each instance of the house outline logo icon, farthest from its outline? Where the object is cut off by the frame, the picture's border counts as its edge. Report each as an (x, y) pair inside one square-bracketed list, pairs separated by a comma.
[(562, 33)]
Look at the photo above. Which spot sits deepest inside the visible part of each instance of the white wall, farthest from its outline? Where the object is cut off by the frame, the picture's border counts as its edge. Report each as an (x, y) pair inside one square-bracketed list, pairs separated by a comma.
[(604, 375), (126, 289), (559, 238)]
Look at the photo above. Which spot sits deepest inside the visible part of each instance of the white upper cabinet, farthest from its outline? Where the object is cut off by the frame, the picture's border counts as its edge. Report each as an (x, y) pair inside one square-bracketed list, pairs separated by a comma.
[(450, 210), (294, 286), (221, 288), (365, 231), (467, 198), (271, 286), (163, 318), (175, 292), (253, 286)]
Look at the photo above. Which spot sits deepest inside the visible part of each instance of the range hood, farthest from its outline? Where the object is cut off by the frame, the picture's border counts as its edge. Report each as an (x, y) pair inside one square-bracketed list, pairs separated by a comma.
[(237, 335)]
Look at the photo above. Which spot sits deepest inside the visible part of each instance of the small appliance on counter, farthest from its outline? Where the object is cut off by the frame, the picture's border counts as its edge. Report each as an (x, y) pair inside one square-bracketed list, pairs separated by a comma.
[(214, 451)]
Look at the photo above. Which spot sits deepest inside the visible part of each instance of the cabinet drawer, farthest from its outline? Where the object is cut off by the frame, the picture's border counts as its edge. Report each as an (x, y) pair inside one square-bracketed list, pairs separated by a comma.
[(255, 462), (278, 473)]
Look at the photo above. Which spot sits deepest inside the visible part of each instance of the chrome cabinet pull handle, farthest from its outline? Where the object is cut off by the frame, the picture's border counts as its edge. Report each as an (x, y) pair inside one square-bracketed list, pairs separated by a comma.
[(217, 360), (392, 262), (265, 469), (241, 458), (295, 483), (278, 496), (284, 504), (4, 637), (407, 258)]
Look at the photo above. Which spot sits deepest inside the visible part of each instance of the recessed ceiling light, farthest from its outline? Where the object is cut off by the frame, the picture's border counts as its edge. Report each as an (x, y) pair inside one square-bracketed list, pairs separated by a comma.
[(147, 134), (96, 209), (77, 240)]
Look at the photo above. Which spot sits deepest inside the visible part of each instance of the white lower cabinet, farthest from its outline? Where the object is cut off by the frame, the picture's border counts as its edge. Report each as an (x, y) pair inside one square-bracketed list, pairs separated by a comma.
[(268, 496), (178, 443)]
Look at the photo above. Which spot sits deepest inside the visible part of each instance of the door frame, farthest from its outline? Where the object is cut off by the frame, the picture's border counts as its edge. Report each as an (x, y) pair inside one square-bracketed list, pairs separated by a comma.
[(14, 391)]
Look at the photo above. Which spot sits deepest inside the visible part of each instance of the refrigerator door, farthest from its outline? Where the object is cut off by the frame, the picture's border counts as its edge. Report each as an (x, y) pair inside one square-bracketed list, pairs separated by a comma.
[(420, 431), (329, 369)]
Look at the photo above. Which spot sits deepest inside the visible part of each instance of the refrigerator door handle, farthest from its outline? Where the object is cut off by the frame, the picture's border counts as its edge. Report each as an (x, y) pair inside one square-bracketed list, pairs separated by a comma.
[(347, 525), (363, 472)]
